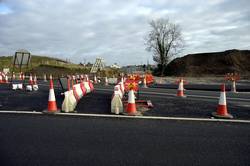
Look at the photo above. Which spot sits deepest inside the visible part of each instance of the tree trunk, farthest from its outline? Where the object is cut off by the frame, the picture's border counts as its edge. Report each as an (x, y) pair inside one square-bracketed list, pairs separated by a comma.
[(162, 70)]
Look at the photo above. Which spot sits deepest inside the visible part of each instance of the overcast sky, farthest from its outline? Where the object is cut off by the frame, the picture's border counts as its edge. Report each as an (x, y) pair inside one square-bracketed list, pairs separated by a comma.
[(115, 29)]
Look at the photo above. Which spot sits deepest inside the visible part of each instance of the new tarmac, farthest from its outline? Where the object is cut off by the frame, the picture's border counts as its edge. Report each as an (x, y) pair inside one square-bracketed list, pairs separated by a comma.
[(66, 140), (36, 139)]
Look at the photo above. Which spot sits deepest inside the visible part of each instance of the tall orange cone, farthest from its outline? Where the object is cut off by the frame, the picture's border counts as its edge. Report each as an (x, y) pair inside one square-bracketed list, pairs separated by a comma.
[(30, 80), (44, 78), (35, 86), (106, 81), (1, 78), (95, 79), (145, 82), (131, 107), (222, 106), (180, 91), (13, 76), (233, 87), (6, 79), (20, 76), (52, 107), (35, 80)]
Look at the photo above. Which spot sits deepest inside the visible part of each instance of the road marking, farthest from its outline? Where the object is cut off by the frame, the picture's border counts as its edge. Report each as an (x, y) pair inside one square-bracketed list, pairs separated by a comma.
[(196, 96), (130, 117)]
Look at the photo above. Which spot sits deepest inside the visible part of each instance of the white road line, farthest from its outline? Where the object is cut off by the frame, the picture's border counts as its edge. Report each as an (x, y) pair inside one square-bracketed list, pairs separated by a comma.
[(188, 95), (131, 117)]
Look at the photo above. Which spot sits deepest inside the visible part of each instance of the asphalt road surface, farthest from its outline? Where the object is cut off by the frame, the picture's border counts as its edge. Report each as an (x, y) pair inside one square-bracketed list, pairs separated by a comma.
[(197, 104), (64, 140)]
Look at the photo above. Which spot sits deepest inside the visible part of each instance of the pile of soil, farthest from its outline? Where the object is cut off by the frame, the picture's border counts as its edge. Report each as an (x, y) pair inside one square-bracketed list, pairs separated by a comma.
[(210, 64)]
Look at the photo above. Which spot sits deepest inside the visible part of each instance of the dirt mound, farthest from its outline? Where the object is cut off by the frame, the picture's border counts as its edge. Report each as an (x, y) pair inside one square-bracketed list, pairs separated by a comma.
[(216, 63)]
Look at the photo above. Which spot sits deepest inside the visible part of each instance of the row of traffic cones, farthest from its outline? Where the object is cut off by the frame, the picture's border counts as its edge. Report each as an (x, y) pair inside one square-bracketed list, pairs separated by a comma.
[(131, 106), (222, 106)]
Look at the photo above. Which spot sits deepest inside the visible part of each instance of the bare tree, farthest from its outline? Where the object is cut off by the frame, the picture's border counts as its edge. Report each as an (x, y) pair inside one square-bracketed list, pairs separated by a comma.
[(165, 41)]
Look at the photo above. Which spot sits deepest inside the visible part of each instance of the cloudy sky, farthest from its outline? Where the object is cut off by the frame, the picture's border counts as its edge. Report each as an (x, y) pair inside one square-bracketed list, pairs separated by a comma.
[(115, 30)]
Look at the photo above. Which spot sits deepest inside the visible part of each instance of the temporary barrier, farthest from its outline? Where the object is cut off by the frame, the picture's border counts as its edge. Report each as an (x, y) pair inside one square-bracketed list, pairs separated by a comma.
[(86, 85), (116, 103), (77, 91), (69, 102)]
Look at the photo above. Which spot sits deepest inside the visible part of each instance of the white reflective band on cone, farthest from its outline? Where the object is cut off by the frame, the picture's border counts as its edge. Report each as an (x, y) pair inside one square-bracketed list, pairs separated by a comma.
[(52, 95), (181, 86), (222, 100), (131, 96)]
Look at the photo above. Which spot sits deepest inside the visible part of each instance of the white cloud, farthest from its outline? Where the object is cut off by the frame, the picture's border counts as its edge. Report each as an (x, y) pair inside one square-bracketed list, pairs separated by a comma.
[(115, 29)]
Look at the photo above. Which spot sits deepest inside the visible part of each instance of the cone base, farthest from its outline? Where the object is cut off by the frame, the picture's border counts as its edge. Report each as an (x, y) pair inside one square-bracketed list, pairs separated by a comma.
[(216, 115), (181, 96)]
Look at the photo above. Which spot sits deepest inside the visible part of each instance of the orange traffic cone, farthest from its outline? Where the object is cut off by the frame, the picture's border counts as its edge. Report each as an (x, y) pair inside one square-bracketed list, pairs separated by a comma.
[(44, 78), (180, 91), (20, 76), (106, 81), (52, 107), (35, 80), (1, 78), (233, 87), (13, 76), (30, 80), (131, 107), (145, 83), (222, 107)]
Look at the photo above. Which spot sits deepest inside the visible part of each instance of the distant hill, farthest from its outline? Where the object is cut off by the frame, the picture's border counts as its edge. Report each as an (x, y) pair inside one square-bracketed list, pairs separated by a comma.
[(216, 63), (45, 64), (6, 61), (48, 65)]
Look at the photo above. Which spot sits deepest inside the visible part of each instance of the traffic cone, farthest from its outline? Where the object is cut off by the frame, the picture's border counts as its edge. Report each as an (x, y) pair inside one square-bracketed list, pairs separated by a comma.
[(145, 83), (35, 80), (95, 79), (131, 107), (180, 91), (222, 106), (20, 76), (106, 81), (1, 78), (6, 79), (13, 76), (233, 87), (52, 107), (30, 80), (44, 78)]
